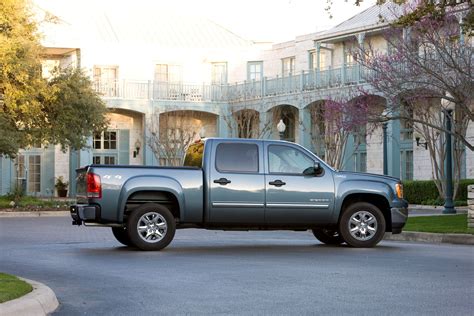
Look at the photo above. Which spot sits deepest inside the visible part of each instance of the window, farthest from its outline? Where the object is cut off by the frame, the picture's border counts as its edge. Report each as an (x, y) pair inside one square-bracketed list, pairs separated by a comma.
[(255, 71), (285, 159), (104, 159), (237, 158), (288, 66), (313, 60), (168, 73), (105, 140), (360, 161), (34, 173), (105, 80), (349, 50), (194, 155), (406, 162), (219, 73)]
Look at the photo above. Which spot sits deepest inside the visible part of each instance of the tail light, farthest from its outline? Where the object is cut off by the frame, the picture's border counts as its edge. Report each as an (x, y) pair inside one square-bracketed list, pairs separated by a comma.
[(94, 188)]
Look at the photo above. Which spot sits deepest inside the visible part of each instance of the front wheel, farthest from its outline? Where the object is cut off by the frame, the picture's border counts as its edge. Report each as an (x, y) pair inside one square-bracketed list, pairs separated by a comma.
[(362, 225), (151, 227), (328, 236)]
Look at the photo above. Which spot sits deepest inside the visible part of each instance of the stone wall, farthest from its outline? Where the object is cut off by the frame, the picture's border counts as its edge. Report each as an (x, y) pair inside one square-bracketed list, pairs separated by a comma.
[(470, 203)]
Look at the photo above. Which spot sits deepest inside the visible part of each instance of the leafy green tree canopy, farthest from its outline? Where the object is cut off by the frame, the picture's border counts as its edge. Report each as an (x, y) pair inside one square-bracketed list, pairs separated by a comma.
[(63, 110)]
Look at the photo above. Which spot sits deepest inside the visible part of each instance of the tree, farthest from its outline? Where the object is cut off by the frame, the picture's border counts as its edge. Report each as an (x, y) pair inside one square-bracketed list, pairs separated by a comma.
[(427, 62), (245, 123), (64, 110), (171, 133), (333, 122)]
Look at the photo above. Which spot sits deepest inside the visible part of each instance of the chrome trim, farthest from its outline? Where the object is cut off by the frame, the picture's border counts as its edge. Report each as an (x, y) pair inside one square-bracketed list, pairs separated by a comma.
[(299, 205), (236, 204)]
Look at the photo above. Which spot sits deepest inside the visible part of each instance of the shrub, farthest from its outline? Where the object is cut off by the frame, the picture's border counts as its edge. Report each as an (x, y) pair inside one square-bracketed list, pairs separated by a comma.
[(425, 192)]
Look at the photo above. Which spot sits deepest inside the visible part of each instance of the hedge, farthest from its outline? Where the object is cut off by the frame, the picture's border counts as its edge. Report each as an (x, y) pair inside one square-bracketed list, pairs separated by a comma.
[(425, 192)]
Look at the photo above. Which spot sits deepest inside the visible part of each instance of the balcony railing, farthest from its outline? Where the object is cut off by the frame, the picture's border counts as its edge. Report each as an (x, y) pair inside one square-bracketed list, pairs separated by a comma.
[(244, 91)]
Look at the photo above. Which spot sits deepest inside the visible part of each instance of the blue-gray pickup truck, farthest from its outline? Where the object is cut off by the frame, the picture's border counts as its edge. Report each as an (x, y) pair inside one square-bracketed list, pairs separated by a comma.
[(239, 184)]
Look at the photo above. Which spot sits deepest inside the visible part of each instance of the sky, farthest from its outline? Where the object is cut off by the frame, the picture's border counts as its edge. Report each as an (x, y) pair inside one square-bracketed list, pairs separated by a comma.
[(258, 20)]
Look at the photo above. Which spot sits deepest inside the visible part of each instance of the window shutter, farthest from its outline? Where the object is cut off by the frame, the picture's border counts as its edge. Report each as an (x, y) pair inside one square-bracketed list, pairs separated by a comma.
[(124, 147)]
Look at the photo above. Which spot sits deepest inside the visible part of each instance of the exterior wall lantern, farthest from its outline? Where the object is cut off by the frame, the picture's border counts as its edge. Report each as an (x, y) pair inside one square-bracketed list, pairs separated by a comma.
[(448, 108), (420, 143), (281, 129), (138, 145)]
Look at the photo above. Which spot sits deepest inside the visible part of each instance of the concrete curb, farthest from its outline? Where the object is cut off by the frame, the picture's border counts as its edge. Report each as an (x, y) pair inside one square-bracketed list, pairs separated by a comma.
[(459, 239), (41, 301), (34, 213)]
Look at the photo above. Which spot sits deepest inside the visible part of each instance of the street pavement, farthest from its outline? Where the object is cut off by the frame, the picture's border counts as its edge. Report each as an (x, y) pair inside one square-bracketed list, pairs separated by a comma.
[(214, 272)]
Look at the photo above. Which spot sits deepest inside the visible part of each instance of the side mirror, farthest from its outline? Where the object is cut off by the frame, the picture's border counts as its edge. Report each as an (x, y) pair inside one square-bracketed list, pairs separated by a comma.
[(316, 170)]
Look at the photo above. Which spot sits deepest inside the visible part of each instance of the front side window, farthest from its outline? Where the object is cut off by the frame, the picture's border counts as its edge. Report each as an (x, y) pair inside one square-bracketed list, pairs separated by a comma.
[(285, 159), (237, 158)]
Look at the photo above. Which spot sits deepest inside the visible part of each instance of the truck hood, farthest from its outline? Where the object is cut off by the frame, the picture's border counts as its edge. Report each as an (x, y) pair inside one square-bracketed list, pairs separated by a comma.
[(368, 176)]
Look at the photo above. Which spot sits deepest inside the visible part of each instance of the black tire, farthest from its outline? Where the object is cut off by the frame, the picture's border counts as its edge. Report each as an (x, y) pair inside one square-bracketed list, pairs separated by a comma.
[(157, 227), (362, 225), (328, 236), (121, 234)]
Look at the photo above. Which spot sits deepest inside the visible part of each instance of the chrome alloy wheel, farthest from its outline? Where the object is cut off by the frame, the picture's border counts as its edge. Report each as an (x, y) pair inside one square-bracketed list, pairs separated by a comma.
[(362, 225), (152, 227)]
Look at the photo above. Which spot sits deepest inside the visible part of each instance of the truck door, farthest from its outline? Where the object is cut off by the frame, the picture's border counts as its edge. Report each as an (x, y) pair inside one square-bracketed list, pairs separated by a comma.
[(237, 190), (291, 196)]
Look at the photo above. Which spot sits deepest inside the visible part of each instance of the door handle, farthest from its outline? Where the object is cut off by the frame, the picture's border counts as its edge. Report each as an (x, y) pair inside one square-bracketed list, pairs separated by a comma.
[(222, 181), (277, 183)]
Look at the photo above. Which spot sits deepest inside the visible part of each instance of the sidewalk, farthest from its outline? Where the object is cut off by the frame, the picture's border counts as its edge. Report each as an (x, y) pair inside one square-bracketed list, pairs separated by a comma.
[(40, 301)]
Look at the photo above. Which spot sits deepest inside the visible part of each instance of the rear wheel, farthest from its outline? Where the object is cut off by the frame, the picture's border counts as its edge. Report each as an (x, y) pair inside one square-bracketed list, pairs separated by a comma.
[(362, 225), (328, 236), (151, 227), (121, 234)]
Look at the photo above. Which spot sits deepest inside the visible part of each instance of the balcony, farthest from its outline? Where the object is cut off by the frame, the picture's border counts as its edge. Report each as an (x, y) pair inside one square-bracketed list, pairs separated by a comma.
[(244, 91)]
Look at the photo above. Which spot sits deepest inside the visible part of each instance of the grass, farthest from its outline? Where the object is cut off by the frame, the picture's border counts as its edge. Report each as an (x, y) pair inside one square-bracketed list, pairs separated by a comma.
[(456, 224), (31, 202), (11, 287)]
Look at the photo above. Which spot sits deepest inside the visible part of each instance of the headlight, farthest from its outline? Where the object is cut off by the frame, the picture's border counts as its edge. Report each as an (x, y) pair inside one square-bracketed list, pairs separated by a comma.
[(399, 190)]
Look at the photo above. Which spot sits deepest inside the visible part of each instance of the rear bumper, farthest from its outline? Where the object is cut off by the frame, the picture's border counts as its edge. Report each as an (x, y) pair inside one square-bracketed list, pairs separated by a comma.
[(83, 213), (399, 217)]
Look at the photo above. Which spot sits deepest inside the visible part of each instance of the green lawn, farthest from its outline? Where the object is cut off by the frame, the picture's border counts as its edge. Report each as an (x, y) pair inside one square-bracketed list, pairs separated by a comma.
[(11, 287), (439, 224)]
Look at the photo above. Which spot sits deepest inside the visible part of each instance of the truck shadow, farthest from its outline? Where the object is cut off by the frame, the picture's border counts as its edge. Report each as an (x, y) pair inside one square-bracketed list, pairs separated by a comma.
[(182, 248)]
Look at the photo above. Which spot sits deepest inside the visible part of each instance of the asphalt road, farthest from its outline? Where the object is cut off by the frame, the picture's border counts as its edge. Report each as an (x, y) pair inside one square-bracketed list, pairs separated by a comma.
[(214, 272)]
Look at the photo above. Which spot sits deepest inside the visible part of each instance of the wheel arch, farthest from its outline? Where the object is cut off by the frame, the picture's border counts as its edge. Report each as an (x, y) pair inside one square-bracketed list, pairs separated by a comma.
[(378, 200), (151, 189)]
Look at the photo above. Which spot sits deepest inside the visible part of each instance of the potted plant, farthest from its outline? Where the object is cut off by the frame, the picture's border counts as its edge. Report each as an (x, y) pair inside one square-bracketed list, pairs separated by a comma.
[(61, 186)]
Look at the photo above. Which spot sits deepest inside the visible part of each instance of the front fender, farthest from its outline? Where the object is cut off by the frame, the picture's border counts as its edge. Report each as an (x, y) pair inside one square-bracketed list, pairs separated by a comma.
[(150, 183), (349, 187)]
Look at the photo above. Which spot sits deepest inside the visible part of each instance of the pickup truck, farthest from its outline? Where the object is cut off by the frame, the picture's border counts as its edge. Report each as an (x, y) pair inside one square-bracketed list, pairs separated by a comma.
[(239, 184)]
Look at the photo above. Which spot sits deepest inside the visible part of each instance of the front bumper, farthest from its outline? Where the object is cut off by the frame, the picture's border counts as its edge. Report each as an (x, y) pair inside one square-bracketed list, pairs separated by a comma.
[(399, 217), (84, 213)]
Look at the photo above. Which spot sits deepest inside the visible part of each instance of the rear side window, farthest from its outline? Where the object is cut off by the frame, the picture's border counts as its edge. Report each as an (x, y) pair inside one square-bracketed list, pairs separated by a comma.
[(237, 158), (194, 155)]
